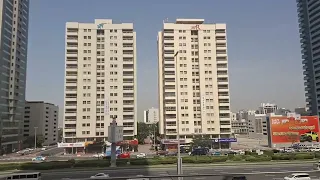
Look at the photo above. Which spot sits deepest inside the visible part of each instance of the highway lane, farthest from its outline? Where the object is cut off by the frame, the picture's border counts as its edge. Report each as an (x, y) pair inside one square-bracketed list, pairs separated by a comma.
[(52, 151), (261, 172)]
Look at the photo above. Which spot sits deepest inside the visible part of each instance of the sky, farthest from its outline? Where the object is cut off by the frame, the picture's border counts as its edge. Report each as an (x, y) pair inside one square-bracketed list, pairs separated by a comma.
[(263, 46)]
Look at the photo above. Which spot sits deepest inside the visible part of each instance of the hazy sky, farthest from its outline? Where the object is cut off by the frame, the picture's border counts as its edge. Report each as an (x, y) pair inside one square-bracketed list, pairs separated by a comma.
[(263, 45)]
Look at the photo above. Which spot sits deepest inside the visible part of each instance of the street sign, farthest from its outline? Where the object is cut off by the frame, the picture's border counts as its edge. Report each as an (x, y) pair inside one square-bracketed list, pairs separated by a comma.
[(225, 140), (117, 136)]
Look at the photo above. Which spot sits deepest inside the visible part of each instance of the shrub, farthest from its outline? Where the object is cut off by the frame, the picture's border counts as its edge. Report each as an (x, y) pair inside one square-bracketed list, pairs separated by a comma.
[(140, 161), (258, 158), (304, 156), (92, 163), (46, 165), (122, 162), (268, 152), (219, 159), (282, 156), (237, 158), (11, 166)]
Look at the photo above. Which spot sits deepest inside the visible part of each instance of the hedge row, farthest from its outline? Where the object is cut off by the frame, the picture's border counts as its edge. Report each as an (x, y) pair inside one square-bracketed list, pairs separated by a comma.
[(158, 160)]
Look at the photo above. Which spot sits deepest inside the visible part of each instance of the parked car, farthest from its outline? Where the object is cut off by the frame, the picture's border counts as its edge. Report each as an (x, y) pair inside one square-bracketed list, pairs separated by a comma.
[(98, 155), (199, 152), (141, 155), (172, 153), (125, 155), (162, 153)]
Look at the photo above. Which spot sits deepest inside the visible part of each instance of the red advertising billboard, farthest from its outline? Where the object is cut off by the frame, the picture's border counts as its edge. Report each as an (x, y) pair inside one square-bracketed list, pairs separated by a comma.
[(294, 129)]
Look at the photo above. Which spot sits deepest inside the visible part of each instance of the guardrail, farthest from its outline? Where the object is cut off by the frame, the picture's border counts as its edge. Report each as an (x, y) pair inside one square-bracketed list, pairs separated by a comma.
[(164, 176)]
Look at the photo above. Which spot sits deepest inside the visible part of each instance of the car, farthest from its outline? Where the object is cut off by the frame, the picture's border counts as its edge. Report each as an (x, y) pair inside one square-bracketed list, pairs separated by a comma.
[(39, 158), (100, 175), (172, 153), (141, 155), (162, 153), (234, 178), (125, 155), (309, 137), (98, 155), (298, 176)]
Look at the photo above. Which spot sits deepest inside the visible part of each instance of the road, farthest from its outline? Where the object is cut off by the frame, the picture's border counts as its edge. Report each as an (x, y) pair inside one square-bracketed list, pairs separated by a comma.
[(254, 172), (18, 158)]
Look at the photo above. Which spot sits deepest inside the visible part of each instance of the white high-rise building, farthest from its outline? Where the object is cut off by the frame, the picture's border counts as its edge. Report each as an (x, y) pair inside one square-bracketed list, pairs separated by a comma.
[(151, 116), (100, 80), (202, 104)]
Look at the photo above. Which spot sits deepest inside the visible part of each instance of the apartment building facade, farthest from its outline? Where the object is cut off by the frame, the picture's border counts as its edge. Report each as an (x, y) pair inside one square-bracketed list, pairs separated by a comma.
[(14, 19), (309, 28), (100, 80), (41, 119), (193, 80)]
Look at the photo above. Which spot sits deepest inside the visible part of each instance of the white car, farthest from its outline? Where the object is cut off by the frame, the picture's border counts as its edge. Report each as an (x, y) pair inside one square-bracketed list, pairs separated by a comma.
[(98, 155), (39, 158), (298, 176), (100, 175), (141, 155)]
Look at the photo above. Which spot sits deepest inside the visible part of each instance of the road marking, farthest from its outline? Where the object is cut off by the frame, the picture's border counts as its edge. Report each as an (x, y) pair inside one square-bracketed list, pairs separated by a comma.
[(193, 173), (218, 170), (248, 169), (270, 175), (164, 174)]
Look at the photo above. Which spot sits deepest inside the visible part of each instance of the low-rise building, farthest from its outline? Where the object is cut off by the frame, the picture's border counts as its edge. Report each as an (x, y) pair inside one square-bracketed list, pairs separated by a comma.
[(239, 127), (41, 119)]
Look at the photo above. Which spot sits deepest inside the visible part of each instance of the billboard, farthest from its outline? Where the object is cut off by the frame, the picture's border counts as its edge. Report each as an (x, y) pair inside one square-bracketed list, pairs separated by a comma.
[(293, 129)]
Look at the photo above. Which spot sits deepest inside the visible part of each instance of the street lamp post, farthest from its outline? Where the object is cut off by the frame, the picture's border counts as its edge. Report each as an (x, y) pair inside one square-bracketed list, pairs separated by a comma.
[(179, 163), (154, 136), (35, 138)]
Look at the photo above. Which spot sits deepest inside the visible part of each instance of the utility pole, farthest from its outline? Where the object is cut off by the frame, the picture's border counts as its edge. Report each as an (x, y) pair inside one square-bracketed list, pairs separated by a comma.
[(154, 136), (179, 163), (115, 134), (35, 138), (113, 144)]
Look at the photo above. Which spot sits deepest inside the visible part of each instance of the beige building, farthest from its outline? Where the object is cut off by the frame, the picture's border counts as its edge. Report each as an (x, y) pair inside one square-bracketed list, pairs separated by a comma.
[(194, 53), (100, 80), (41, 119)]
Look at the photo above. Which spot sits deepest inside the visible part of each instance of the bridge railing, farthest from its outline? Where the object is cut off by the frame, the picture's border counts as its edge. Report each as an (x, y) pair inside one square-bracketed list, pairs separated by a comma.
[(221, 177)]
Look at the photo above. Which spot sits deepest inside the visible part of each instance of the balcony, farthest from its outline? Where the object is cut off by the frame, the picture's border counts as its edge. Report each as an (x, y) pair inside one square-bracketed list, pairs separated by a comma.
[(127, 32), (72, 45), (128, 60), (127, 39), (128, 81), (72, 38)]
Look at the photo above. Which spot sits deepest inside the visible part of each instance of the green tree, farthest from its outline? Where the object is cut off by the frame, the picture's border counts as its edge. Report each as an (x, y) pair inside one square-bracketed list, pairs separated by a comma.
[(202, 141), (143, 132), (29, 141), (154, 132)]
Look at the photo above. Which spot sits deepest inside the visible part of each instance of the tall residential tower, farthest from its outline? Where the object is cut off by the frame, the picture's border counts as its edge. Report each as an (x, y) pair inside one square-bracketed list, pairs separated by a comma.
[(309, 28), (193, 80), (100, 80), (14, 21)]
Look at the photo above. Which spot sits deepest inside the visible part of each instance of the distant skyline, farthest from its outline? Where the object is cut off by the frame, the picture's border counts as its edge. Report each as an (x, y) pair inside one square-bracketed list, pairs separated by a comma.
[(263, 46)]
